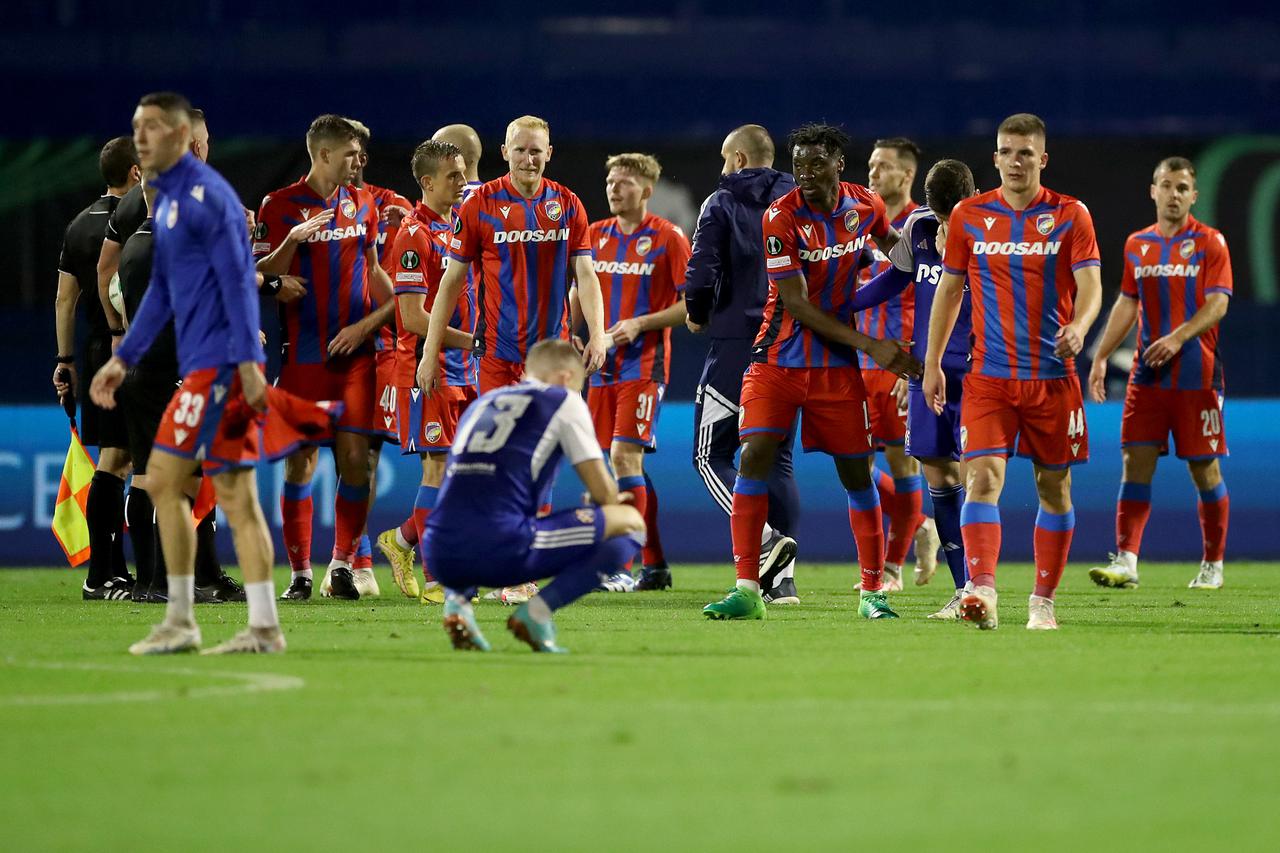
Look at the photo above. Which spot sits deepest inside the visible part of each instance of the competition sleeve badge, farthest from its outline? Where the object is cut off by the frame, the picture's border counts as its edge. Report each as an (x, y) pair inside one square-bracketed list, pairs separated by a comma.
[(773, 245), (410, 260)]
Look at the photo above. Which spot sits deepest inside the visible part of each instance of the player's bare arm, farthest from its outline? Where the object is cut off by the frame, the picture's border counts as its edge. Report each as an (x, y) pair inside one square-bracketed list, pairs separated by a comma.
[(942, 319), (64, 316), (413, 311), (455, 276), (600, 484), (254, 385), (592, 312), (1124, 313), (792, 291), (1070, 338), (627, 330), (278, 261), (1162, 350), (888, 241)]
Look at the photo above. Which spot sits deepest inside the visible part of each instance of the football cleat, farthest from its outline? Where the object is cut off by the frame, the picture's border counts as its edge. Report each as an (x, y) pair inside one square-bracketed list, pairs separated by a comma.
[(892, 578), (299, 589), (653, 578), (1120, 573), (783, 593), (951, 610), (227, 589), (166, 639), (775, 555), (251, 641), (519, 594), (340, 582), (366, 583), (539, 636), (740, 603), (460, 625), (432, 593), (116, 589), (927, 543), (402, 562), (1210, 576), (978, 605), (622, 581), (1040, 615), (874, 605)]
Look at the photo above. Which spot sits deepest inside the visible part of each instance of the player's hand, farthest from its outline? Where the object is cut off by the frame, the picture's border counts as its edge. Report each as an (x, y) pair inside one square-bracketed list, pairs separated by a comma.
[(393, 215), (1162, 350), (899, 393), (348, 340), (253, 385), (103, 388), (262, 337), (1098, 381), (1069, 342), (251, 220), (935, 388), (578, 344), (596, 351), (64, 379), (893, 357), (303, 231), (292, 288), (427, 375), (696, 328), (625, 497), (625, 331)]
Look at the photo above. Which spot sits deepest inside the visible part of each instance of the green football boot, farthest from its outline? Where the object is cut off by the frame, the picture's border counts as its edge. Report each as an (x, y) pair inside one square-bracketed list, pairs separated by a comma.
[(874, 605), (539, 636), (738, 604)]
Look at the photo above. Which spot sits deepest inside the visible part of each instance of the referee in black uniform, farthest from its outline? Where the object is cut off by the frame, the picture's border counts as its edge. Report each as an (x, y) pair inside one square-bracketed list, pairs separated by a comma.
[(108, 578)]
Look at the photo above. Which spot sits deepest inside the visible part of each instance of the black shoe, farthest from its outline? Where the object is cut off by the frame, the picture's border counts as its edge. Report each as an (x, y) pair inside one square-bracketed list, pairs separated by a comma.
[(653, 577), (139, 593), (783, 593), (159, 593), (116, 589), (342, 584), (299, 589), (775, 555), (221, 590)]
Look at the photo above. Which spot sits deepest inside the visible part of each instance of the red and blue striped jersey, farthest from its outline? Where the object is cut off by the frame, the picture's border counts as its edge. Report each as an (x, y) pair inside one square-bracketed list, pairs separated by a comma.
[(826, 249), (1170, 277), (418, 260), (1020, 265), (332, 261), (525, 248), (388, 224), (640, 273), (895, 319)]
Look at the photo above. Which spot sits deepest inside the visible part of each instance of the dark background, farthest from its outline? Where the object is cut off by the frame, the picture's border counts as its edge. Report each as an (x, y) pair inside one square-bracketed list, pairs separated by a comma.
[(1119, 88)]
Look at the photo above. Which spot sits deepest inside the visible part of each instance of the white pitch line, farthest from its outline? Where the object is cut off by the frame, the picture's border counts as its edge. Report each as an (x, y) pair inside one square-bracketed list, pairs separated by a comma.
[(249, 682)]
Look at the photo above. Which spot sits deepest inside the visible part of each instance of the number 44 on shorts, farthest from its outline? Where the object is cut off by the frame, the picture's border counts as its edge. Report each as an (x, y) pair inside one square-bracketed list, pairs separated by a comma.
[(1075, 430)]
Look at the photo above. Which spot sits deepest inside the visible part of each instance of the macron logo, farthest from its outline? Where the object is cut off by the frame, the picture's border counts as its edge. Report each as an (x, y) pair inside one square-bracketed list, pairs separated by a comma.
[(197, 192), (989, 220), (773, 213), (505, 210)]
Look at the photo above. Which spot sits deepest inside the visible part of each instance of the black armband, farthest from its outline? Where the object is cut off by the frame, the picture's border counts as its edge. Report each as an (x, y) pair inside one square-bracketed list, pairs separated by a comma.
[(116, 333), (66, 359)]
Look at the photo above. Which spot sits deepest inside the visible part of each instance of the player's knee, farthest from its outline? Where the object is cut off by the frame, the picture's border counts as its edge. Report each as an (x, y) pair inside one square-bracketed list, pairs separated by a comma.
[(628, 459), (855, 474), (757, 457), (1205, 473), (300, 467), (984, 481), (114, 461)]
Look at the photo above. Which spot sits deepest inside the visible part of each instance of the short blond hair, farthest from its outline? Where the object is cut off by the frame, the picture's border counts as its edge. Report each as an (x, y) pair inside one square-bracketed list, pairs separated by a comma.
[(645, 166), (552, 354), (527, 123)]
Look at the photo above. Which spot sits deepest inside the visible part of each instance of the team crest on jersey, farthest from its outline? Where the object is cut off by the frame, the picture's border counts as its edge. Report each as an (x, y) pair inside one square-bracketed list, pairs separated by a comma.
[(851, 220), (1045, 223), (553, 209), (348, 208), (260, 231), (773, 245), (410, 260), (433, 432), (585, 515), (643, 245), (1187, 249), (172, 219)]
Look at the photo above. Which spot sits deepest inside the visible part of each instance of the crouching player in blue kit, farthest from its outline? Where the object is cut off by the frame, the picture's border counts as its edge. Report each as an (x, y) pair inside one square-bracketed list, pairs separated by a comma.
[(485, 530), (936, 440)]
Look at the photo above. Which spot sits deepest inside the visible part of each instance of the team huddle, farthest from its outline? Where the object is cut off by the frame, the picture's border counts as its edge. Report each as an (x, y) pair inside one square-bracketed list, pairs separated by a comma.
[(464, 326)]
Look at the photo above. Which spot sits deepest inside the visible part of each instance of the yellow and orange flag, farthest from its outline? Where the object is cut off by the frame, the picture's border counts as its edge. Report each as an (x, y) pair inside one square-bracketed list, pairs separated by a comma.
[(70, 526)]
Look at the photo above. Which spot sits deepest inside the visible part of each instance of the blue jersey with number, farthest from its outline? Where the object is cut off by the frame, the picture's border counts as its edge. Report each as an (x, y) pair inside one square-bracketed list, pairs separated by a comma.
[(917, 255), (503, 462)]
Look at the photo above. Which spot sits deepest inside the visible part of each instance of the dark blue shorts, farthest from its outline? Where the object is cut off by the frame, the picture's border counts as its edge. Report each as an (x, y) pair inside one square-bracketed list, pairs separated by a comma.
[(929, 435), (547, 547)]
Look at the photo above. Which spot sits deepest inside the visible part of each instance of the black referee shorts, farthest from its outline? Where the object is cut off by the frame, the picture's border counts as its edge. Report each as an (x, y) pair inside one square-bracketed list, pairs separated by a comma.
[(144, 396), (99, 427)]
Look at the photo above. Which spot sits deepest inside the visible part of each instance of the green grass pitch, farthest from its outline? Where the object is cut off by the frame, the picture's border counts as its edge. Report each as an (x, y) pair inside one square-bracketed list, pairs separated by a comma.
[(1151, 721)]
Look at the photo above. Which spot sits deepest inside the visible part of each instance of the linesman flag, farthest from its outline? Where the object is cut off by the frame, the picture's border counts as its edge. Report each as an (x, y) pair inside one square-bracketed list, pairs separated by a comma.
[(70, 525)]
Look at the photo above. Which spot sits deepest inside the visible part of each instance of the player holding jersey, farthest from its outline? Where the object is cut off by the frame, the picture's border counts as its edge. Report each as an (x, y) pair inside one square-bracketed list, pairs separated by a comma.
[(803, 360), (325, 231), (486, 529), (891, 172), (640, 259), (1176, 286), (1034, 275), (933, 439), (528, 233)]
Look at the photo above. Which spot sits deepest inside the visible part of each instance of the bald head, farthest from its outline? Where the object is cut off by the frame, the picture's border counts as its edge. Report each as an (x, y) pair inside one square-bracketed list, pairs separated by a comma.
[(747, 147), (467, 141)]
